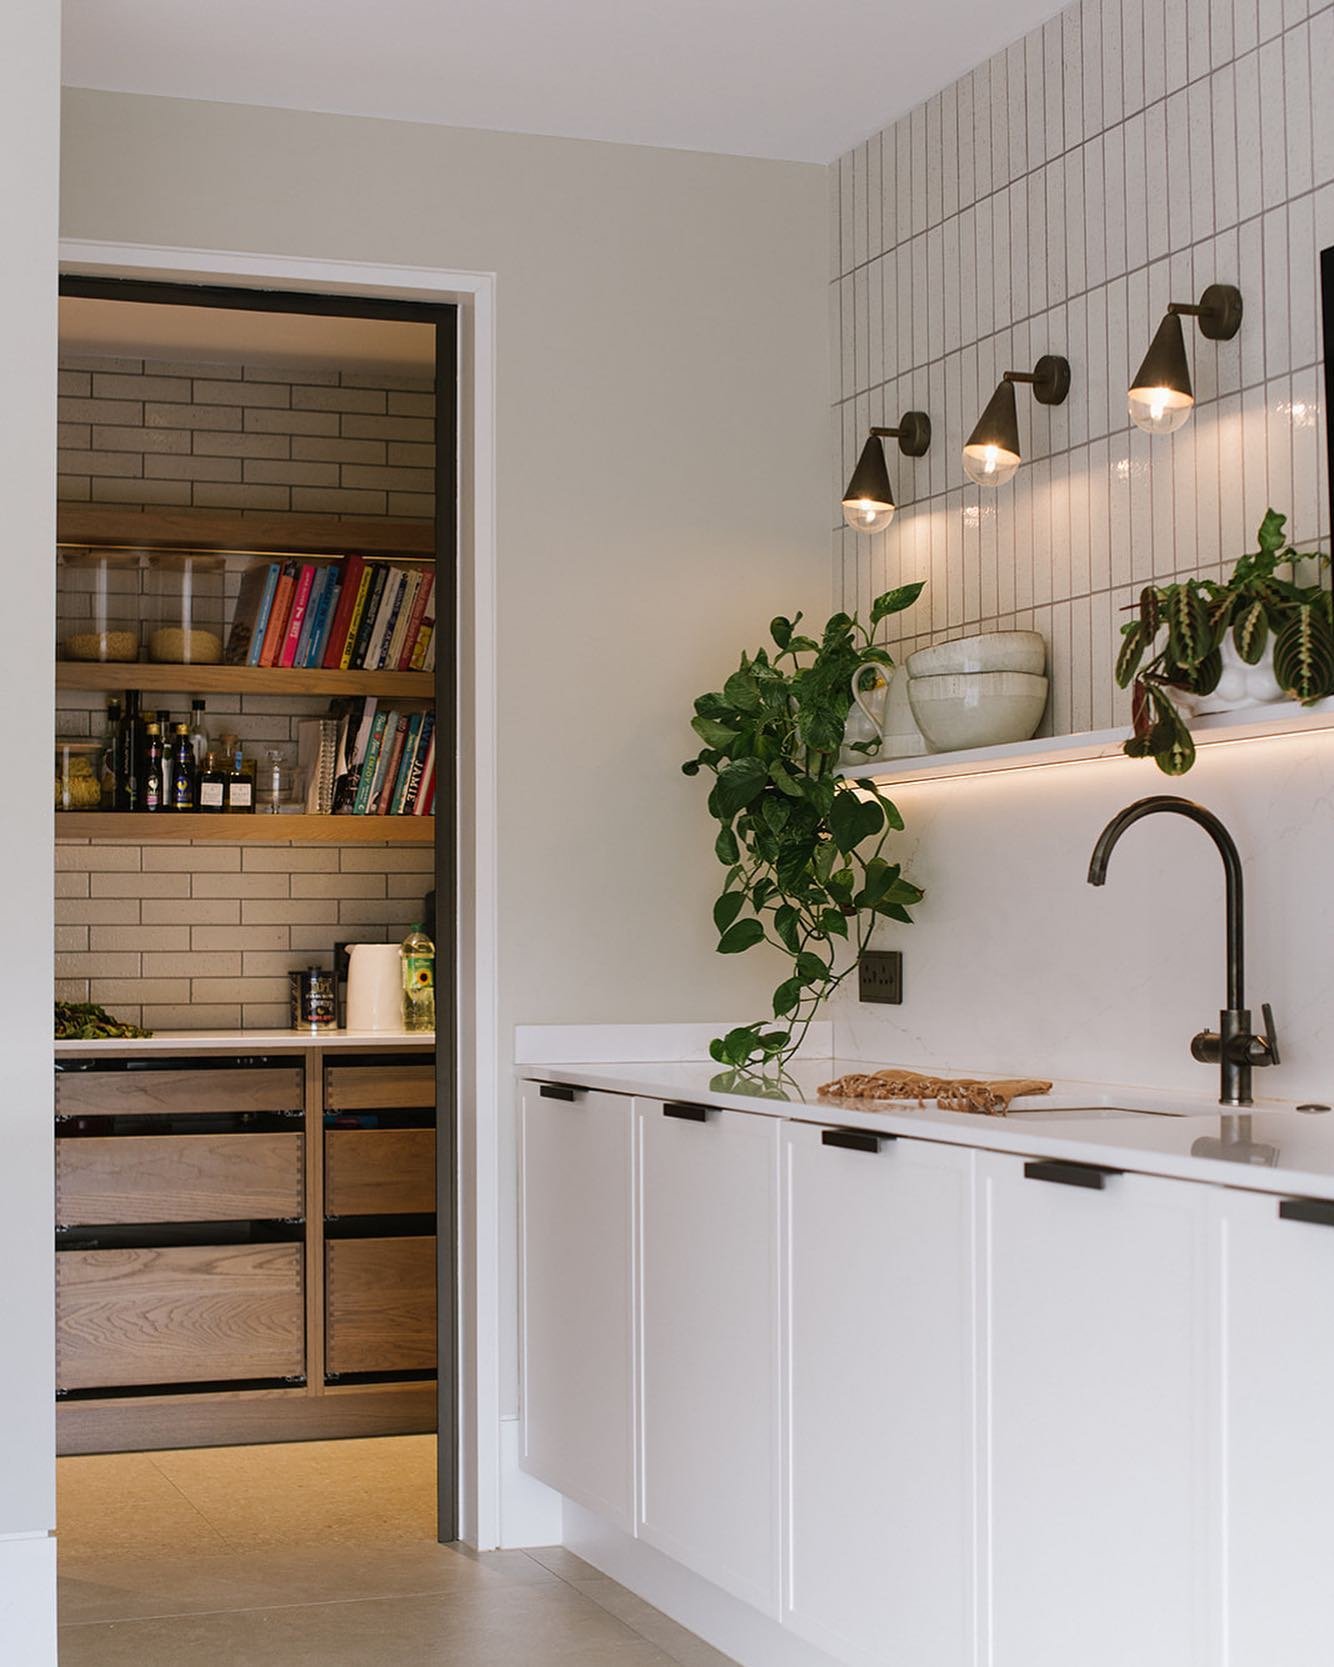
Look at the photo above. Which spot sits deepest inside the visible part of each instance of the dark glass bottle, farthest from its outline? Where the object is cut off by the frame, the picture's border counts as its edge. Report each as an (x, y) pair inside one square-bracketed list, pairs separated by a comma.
[(111, 737), (240, 786), (153, 760), (184, 775), (212, 785), (129, 753)]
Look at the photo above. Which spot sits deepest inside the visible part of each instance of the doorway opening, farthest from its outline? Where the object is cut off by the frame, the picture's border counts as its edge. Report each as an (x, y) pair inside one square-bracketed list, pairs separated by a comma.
[(256, 1228)]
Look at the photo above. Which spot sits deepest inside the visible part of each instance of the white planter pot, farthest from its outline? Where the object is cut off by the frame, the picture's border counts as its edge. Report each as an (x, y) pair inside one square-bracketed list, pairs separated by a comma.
[(1240, 685)]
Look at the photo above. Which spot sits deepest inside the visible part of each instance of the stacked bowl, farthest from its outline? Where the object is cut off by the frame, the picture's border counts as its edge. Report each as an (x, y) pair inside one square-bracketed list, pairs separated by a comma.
[(979, 691)]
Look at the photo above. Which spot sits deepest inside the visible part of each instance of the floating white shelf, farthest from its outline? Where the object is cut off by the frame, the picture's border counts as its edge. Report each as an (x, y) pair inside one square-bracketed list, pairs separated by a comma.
[(1282, 718)]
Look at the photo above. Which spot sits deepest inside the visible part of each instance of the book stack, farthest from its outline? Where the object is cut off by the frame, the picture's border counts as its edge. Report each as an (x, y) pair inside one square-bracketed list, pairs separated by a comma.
[(385, 762), (345, 615)]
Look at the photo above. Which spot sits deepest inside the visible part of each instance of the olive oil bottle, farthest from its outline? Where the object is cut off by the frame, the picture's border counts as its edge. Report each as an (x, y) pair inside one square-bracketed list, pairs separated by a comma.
[(240, 786), (212, 785)]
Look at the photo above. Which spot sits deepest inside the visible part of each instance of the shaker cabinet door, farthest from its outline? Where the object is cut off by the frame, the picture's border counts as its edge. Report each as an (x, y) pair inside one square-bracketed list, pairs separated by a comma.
[(709, 1344), (879, 1424), (575, 1294), (1098, 1405)]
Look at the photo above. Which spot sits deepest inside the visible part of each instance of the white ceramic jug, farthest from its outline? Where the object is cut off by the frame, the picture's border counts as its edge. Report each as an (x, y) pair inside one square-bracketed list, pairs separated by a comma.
[(374, 987)]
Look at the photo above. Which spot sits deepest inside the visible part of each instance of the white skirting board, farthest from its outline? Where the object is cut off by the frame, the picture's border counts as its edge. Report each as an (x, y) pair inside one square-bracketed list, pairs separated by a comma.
[(28, 1600), (530, 1511), (750, 1638)]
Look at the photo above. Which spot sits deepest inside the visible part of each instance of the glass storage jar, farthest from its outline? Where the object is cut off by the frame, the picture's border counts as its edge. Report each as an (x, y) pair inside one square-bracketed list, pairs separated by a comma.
[(186, 609), (99, 603), (79, 774)]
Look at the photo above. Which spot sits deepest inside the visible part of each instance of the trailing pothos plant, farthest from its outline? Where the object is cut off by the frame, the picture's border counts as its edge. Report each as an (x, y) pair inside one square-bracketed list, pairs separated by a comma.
[(1175, 641), (803, 848)]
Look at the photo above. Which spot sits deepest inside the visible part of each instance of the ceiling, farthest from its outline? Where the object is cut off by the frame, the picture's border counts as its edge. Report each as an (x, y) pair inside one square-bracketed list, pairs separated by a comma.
[(227, 336), (797, 80)]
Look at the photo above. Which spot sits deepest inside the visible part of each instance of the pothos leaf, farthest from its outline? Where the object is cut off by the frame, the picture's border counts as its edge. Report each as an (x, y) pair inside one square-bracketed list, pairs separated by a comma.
[(744, 935), (727, 908), (853, 819), (895, 601), (738, 783)]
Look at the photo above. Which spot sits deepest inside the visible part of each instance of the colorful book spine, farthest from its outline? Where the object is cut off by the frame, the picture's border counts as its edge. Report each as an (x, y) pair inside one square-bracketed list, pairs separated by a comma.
[(319, 645), (428, 659), (312, 610), (421, 796), (355, 619), (305, 583), (382, 799), (279, 614), (352, 571), (410, 784), (385, 617), (411, 753), (370, 766), (419, 604), (425, 631), (263, 613), (374, 595), (310, 651), (393, 645)]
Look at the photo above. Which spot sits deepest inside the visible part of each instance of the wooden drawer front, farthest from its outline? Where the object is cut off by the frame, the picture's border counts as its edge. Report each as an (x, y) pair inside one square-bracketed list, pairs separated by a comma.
[(179, 1314), (132, 1093), (381, 1305), (378, 1087), (379, 1172), (141, 1178)]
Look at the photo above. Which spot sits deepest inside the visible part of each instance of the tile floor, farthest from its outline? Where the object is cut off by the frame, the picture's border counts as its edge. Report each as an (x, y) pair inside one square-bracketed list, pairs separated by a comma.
[(320, 1553)]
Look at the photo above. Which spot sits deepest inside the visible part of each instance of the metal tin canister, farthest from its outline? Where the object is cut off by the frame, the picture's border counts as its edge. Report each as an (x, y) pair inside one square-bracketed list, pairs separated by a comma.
[(313, 997)]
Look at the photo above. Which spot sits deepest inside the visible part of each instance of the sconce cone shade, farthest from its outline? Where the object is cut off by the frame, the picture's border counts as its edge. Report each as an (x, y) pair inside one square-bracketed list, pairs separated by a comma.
[(1161, 397), (991, 455), (868, 503)]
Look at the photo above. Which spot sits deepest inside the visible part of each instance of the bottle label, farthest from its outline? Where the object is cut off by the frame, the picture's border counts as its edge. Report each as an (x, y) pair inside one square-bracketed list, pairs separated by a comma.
[(239, 793), (210, 795), (183, 791), (419, 992)]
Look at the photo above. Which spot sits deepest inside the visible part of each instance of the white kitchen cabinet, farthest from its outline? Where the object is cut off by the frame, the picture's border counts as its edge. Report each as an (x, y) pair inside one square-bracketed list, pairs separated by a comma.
[(1277, 1356), (709, 1344), (576, 1295), (879, 1420), (1097, 1395)]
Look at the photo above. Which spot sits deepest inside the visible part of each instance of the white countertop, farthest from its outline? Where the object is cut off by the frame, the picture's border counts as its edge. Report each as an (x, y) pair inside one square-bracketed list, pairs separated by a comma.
[(247, 1042), (1273, 1148)]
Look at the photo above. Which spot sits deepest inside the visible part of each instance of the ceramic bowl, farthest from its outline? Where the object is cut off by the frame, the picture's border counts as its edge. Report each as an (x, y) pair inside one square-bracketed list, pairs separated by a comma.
[(994, 651), (977, 709)]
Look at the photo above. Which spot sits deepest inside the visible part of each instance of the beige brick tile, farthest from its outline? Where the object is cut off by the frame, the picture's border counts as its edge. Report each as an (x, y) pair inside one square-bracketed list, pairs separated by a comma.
[(247, 393), (141, 491), (70, 939), (337, 885), (277, 371), (101, 965), (418, 506), (105, 911), (410, 885), (420, 383), (190, 416), (290, 472), (265, 1015), (191, 1016), (193, 468), (192, 859), (80, 436), (357, 427), (72, 885), (397, 480), (240, 885), (100, 362), (75, 383), (104, 858), (112, 990), (385, 859), (319, 940), (331, 500), (290, 859), (139, 938), (213, 496), (411, 405), (244, 444), (73, 489), (263, 912), (364, 400), (239, 937), (378, 911), (126, 411), (123, 464), (324, 449), (71, 989), (176, 388), (113, 438), (215, 911), (215, 963), (238, 989), (263, 963), (191, 368), (291, 422), (140, 885), (409, 456)]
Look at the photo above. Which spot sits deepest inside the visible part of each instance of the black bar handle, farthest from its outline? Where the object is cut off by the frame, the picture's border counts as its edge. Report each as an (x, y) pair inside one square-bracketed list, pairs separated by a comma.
[(558, 1091), (854, 1140), (687, 1112), (1318, 1211), (1069, 1174)]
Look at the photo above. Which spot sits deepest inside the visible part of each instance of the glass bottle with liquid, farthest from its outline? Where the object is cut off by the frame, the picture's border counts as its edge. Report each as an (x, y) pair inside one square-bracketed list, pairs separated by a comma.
[(129, 753), (212, 791), (418, 956), (240, 785), (198, 732), (107, 773), (153, 763), (183, 774)]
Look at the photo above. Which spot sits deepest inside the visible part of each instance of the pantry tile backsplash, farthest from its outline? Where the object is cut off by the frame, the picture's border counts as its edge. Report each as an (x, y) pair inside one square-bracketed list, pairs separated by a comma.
[(1127, 153)]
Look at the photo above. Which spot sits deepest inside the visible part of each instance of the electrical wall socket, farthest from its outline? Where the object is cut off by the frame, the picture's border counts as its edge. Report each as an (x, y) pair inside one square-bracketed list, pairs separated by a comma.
[(880, 976)]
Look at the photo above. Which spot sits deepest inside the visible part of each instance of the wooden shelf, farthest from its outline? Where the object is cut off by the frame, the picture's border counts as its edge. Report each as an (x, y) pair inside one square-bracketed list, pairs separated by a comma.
[(1254, 723), (250, 680), (244, 532), (258, 829)]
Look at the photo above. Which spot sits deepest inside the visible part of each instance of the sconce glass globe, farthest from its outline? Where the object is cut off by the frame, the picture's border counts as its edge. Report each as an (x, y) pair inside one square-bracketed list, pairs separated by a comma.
[(990, 465), (865, 515), (1159, 410)]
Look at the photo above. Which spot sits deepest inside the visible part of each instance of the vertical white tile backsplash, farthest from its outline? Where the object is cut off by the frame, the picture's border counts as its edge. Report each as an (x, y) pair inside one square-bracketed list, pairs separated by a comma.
[(1124, 154)]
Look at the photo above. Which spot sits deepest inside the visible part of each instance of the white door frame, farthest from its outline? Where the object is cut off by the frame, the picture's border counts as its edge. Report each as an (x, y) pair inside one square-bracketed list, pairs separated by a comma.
[(479, 1064)]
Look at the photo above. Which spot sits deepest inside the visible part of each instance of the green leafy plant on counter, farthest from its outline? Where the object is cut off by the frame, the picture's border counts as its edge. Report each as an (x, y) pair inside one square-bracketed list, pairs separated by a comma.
[(803, 848), (85, 1021), (1175, 642)]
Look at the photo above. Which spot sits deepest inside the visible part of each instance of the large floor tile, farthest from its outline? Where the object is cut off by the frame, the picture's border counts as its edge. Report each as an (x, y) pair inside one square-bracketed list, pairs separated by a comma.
[(120, 1503)]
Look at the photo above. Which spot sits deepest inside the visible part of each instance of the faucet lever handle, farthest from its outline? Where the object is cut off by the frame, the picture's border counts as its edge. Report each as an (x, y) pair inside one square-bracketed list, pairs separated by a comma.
[(1270, 1038)]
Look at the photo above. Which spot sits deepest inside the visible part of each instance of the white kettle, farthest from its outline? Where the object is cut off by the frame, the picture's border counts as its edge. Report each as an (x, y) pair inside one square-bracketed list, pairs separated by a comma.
[(374, 987)]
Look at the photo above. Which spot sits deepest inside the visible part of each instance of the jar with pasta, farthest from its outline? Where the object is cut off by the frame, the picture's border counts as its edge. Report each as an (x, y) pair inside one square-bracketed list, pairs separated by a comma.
[(187, 608), (99, 603)]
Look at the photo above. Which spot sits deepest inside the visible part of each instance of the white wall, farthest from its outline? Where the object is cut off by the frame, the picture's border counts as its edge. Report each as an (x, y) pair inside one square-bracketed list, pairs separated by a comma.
[(662, 455), (1126, 153), (29, 94)]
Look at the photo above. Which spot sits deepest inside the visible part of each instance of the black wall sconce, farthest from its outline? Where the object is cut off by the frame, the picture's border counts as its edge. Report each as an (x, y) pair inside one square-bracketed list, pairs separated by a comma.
[(1161, 396), (991, 455), (868, 503)]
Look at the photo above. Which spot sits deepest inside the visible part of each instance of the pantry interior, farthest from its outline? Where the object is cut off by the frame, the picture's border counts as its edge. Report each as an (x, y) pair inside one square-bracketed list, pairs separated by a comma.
[(254, 1215)]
